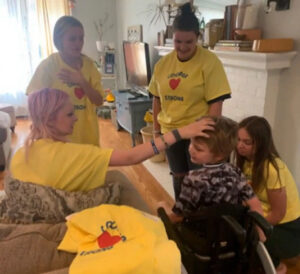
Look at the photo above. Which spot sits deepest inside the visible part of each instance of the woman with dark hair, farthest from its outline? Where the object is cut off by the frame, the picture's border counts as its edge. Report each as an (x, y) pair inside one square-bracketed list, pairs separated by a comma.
[(273, 184), (74, 73), (187, 84)]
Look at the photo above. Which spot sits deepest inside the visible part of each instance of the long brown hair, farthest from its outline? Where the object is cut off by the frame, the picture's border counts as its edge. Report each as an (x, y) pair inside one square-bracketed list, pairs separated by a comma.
[(260, 132)]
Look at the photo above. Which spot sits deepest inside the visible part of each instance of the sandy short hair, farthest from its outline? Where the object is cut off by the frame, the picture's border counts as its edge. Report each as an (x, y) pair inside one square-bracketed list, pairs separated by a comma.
[(61, 26), (223, 140)]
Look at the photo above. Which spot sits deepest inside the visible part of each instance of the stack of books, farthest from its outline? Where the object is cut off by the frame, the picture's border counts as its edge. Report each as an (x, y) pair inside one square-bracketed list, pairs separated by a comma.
[(230, 21), (169, 42), (233, 45)]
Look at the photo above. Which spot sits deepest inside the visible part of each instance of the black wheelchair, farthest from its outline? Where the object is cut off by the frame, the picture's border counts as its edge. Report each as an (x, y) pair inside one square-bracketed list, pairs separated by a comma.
[(221, 239)]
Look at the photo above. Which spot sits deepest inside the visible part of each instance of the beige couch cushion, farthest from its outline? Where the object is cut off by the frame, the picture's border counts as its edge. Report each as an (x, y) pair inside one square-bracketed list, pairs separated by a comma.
[(32, 248)]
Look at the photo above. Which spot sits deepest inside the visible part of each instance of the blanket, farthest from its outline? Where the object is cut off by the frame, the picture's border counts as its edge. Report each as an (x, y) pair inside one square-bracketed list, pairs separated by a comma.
[(119, 239), (28, 203)]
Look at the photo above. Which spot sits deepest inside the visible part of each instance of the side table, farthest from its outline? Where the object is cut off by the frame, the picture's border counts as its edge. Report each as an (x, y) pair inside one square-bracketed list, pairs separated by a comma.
[(131, 109)]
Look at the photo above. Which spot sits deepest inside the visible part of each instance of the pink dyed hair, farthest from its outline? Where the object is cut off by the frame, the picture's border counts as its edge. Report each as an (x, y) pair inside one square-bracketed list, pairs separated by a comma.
[(43, 107)]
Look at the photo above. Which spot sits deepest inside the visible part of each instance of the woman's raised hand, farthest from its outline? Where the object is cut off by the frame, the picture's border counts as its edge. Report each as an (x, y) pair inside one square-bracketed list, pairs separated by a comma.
[(70, 77)]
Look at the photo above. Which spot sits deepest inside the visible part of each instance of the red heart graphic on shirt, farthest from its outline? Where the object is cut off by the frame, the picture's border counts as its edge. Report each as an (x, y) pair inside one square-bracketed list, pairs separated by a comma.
[(79, 93), (174, 83), (106, 240)]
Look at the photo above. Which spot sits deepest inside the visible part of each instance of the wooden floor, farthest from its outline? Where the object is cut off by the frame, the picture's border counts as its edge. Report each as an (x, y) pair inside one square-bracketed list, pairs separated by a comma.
[(145, 183)]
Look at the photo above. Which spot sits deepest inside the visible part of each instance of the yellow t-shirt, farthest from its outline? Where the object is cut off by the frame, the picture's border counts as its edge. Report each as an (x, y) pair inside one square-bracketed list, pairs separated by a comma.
[(86, 129), (119, 239), (287, 181), (65, 166), (185, 88)]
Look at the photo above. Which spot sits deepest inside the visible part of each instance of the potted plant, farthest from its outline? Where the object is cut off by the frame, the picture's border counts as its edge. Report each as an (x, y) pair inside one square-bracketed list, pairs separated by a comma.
[(102, 28), (166, 11)]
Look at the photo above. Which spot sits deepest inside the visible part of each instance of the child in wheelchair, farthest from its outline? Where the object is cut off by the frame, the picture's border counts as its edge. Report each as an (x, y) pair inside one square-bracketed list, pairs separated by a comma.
[(217, 186), (216, 181)]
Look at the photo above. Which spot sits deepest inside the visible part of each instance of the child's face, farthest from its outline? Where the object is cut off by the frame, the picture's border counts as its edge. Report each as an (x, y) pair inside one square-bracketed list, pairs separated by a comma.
[(245, 146), (201, 154)]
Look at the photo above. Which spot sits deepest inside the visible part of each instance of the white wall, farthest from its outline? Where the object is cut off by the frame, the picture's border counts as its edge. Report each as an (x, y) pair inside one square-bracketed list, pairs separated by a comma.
[(282, 24), (88, 11), (213, 9), (137, 12)]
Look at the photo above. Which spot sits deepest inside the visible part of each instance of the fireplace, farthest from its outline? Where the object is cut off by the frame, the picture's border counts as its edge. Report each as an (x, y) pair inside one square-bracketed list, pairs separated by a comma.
[(254, 80)]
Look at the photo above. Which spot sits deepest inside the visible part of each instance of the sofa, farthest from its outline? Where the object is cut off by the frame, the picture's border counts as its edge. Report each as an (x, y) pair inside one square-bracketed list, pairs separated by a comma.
[(5, 139), (9, 109), (32, 248)]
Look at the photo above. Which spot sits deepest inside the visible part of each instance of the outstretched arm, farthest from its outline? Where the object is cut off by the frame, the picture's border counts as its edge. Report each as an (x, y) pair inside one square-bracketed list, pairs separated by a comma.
[(144, 151)]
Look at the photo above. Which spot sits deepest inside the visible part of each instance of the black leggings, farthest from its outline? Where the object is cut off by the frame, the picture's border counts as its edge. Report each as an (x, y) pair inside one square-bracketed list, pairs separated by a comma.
[(180, 163), (284, 242)]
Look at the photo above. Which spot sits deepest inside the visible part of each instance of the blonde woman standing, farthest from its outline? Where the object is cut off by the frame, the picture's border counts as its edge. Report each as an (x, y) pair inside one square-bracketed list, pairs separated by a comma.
[(74, 73)]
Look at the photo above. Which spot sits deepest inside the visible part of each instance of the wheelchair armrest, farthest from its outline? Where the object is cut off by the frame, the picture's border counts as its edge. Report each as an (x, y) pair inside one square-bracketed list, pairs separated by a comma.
[(171, 231), (261, 222), (238, 230)]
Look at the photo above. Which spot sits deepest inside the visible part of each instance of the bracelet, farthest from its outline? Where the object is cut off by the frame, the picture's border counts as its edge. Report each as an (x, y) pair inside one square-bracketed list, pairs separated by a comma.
[(155, 149), (164, 141), (176, 135)]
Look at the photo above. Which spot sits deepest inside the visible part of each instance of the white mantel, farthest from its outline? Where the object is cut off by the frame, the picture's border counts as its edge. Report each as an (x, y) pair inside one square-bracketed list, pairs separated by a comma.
[(256, 60), (254, 80)]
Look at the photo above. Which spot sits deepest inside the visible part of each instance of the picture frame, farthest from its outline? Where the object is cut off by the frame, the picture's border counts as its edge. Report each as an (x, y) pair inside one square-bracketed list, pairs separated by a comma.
[(135, 33)]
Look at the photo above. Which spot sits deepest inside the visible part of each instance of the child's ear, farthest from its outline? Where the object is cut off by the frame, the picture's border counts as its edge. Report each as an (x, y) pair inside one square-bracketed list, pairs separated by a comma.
[(219, 158)]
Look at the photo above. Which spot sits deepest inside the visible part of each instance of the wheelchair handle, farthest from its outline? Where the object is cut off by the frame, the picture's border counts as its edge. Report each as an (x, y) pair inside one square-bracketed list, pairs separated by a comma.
[(261, 222)]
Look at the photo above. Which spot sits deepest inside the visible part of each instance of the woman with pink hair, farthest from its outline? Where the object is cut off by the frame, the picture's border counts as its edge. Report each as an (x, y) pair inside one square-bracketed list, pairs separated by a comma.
[(48, 158)]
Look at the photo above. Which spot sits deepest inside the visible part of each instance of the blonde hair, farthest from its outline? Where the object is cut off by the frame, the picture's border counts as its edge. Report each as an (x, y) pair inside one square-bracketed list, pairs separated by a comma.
[(43, 107), (222, 141)]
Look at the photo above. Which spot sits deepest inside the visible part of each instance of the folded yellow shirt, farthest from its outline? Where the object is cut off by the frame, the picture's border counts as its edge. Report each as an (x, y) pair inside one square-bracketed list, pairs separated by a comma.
[(119, 239)]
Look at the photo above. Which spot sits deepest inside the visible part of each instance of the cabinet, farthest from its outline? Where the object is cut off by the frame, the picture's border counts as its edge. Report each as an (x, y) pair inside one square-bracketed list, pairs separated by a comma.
[(131, 108)]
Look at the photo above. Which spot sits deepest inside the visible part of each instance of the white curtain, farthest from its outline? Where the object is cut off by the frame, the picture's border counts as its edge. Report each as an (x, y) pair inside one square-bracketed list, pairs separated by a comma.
[(19, 50)]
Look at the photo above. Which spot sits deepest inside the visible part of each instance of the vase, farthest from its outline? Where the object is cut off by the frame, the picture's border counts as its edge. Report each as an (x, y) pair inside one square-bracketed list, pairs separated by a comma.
[(101, 45)]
